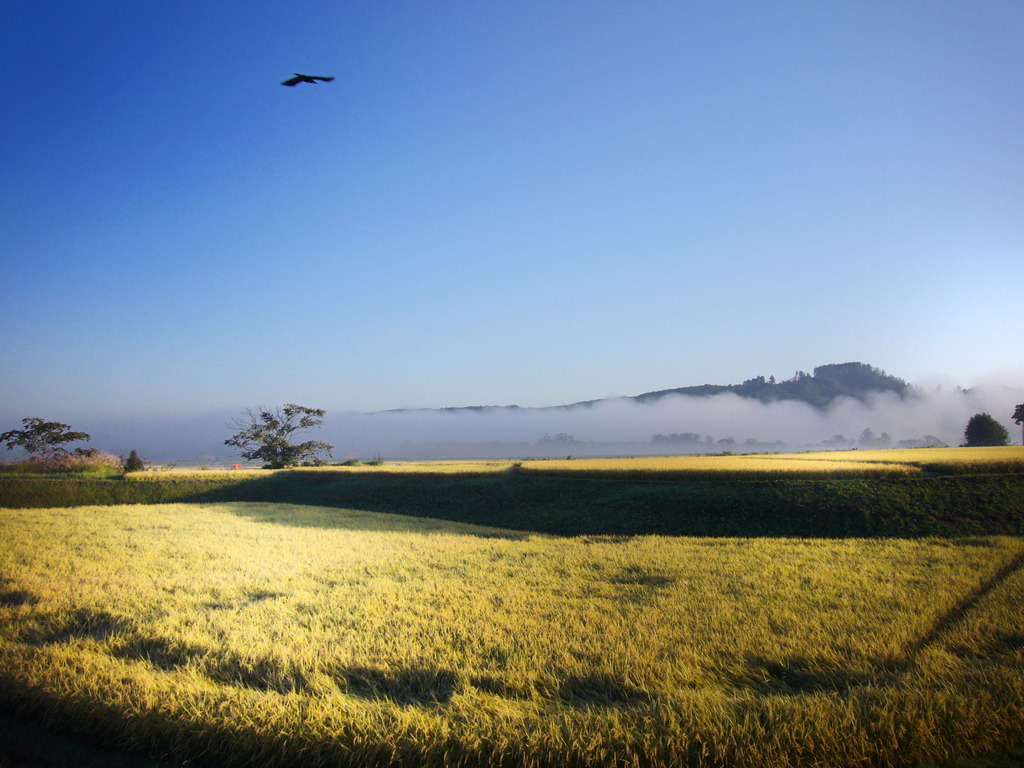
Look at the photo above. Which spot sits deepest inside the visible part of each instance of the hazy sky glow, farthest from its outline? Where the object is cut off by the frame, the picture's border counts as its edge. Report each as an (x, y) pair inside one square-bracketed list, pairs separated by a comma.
[(500, 202)]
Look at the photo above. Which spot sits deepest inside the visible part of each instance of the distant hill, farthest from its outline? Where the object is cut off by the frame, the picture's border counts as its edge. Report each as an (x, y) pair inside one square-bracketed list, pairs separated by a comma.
[(856, 380), (819, 389)]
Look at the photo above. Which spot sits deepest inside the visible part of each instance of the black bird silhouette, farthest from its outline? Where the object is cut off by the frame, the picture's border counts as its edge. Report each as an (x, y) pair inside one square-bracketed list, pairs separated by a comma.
[(305, 79)]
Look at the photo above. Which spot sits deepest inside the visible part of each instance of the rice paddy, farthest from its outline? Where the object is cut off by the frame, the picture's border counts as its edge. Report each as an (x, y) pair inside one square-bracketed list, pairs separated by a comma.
[(821, 464), (273, 634)]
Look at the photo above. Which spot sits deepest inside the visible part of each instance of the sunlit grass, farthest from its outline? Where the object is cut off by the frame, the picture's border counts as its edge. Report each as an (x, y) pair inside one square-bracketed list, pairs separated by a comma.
[(311, 636)]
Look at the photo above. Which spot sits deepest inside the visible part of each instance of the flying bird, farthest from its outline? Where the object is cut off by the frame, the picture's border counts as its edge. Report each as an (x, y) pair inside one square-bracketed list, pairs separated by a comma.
[(305, 79)]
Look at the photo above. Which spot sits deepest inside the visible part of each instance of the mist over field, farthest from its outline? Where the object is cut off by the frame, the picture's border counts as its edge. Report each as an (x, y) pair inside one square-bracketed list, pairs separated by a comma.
[(617, 426), (629, 426)]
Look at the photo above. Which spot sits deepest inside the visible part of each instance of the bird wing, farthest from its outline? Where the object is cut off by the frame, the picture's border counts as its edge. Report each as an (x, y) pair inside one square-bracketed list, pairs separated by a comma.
[(300, 78)]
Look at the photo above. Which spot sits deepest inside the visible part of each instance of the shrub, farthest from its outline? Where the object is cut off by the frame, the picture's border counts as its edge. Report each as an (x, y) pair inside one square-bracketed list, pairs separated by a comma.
[(90, 463), (134, 463)]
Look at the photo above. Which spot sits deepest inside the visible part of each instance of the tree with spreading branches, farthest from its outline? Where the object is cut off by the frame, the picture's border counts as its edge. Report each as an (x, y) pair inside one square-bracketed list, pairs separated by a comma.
[(42, 439), (1018, 417), (266, 435)]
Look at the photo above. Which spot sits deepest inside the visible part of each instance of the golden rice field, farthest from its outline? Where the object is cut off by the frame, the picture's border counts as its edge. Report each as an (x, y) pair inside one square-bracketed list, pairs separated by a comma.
[(467, 467), (726, 467), (821, 464), (269, 634)]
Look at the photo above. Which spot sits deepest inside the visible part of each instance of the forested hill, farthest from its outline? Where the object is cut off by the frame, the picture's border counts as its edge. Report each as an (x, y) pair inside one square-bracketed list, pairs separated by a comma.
[(820, 388)]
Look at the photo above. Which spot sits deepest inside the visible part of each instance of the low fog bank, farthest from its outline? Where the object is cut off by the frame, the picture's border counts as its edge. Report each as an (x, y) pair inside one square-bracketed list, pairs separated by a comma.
[(197, 439), (622, 426), (614, 427)]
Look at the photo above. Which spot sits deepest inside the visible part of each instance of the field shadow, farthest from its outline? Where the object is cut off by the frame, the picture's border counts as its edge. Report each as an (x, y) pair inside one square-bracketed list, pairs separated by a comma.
[(158, 652), (253, 598), (260, 673), (639, 576), (124, 641), (639, 584), (600, 688), (14, 598), (795, 677), (409, 686), (80, 624), (901, 507), (832, 508), (422, 504), (498, 687)]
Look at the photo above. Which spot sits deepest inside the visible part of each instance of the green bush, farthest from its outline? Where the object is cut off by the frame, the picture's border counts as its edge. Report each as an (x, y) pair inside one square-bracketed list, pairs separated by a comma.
[(134, 463), (983, 430)]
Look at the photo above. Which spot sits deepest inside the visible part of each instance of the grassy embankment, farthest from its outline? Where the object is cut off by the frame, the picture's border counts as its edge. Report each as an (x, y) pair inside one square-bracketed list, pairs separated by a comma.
[(268, 634), (866, 493)]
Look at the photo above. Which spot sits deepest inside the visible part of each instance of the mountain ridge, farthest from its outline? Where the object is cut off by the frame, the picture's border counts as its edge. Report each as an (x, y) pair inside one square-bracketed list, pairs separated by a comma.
[(819, 389)]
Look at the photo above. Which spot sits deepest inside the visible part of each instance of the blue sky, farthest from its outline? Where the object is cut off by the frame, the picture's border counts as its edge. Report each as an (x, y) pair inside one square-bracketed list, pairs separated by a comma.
[(500, 202)]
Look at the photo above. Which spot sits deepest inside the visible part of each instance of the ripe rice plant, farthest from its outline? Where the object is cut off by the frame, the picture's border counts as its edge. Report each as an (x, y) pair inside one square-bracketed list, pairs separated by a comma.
[(271, 634)]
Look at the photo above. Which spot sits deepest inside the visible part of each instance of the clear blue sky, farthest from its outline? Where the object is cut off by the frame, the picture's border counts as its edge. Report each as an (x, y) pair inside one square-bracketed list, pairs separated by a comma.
[(500, 202)]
